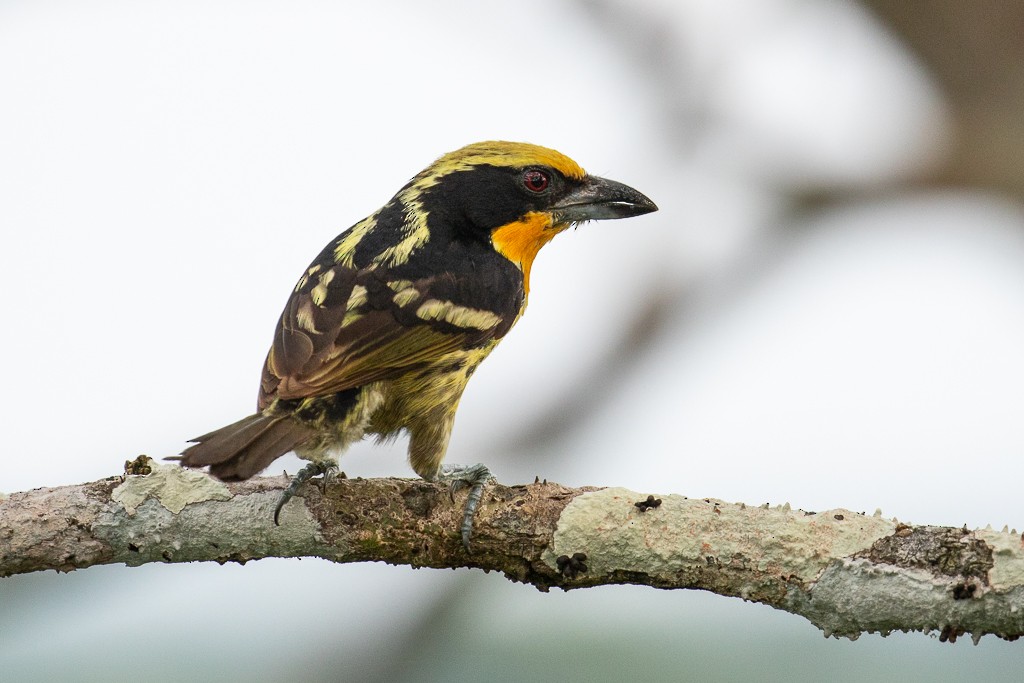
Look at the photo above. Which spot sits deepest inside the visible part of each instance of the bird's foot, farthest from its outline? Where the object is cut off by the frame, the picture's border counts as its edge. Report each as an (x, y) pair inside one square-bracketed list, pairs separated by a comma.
[(327, 468), (460, 477)]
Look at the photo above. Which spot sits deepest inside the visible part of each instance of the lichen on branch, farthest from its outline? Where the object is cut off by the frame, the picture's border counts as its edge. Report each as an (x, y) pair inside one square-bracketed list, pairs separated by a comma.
[(846, 572)]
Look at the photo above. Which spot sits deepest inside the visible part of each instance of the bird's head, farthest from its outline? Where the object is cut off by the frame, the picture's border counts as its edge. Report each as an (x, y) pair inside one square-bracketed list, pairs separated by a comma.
[(518, 196)]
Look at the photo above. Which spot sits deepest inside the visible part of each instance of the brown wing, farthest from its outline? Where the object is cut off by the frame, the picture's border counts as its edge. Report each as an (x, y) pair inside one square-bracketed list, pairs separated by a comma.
[(343, 328)]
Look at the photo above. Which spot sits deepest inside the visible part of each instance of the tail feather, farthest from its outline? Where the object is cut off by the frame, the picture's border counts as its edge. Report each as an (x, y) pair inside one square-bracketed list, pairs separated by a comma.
[(220, 444), (244, 448)]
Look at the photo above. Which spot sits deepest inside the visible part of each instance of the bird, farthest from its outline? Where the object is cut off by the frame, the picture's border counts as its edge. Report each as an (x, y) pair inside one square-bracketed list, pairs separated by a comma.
[(385, 327)]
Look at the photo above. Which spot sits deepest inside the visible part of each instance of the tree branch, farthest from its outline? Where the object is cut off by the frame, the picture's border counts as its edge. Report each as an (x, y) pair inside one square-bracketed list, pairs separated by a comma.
[(845, 572)]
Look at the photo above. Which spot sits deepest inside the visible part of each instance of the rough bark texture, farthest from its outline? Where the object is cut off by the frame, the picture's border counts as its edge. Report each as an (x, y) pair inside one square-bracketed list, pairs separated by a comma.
[(847, 573)]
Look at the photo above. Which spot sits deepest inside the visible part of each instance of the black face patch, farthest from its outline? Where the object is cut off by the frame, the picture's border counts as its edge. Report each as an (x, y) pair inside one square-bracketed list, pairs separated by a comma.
[(474, 202)]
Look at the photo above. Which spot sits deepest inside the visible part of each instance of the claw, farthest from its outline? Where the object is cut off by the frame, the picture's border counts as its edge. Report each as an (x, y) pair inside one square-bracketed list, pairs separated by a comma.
[(456, 484), (325, 467), (459, 477)]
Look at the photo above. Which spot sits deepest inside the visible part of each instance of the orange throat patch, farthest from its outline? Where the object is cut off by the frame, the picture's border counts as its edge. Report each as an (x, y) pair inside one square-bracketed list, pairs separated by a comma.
[(520, 241)]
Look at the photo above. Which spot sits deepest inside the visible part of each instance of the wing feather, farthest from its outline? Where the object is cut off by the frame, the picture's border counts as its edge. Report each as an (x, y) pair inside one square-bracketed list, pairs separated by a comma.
[(343, 328)]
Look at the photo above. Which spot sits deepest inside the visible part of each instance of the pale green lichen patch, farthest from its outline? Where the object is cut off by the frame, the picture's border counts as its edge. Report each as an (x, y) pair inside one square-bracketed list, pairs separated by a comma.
[(1007, 556), (683, 533), (172, 486), (855, 596), (239, 530)]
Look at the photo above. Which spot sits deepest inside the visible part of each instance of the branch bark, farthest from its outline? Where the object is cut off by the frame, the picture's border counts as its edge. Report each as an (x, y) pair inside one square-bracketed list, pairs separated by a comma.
[(845, 572)]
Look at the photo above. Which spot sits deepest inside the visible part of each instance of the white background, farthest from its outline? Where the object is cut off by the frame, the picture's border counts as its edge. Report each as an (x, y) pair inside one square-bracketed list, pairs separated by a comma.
[(168, 169)]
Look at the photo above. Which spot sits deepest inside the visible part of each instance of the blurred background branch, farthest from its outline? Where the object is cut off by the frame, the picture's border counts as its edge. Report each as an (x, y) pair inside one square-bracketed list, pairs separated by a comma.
[(828, 307), (975, 53)]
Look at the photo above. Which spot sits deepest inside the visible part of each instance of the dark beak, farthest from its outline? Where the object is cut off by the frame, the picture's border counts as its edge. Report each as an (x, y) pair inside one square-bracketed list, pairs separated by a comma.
[(598, 199)]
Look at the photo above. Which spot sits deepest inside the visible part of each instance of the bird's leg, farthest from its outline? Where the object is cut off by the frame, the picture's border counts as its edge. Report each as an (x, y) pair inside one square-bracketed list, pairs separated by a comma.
[(328, 468), (459, 477)]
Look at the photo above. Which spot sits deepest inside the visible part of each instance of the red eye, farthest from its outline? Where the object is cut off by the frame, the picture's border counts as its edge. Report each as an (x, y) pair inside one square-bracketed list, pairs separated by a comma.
[(535, 181)]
